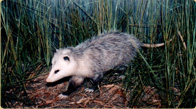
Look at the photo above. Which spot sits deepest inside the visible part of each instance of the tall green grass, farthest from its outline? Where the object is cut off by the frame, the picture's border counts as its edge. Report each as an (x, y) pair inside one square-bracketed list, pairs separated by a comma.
[(33, 29)]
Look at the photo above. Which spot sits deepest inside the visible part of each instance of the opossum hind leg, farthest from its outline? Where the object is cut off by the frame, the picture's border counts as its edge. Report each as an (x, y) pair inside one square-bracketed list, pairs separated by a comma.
[(95, 82), (74, 83)]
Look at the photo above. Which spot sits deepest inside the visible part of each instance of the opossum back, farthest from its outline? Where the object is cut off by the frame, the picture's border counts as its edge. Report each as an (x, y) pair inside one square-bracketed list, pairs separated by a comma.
[(109, 41), (109, 50)]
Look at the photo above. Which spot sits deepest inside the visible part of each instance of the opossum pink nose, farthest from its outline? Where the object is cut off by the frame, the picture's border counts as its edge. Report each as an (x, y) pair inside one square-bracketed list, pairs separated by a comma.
[(48, 80)]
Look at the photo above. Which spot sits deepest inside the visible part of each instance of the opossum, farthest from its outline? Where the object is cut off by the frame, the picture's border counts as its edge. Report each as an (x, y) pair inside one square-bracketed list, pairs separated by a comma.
[(93, 58)]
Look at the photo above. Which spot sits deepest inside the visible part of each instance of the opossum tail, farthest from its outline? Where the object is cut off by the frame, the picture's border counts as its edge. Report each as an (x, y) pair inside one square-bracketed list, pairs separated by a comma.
[(155, 45)]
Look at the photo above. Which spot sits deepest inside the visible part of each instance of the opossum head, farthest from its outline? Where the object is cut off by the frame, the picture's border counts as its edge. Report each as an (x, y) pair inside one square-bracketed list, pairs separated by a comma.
[(63, 65)]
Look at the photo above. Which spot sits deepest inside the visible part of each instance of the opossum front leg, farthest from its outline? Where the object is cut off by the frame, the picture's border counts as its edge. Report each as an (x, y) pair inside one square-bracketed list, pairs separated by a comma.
[(74, 83), (95, 82)]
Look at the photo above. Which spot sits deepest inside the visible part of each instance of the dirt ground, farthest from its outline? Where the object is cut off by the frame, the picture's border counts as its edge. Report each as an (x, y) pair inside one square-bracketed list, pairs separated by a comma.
[(109, 95), (44, 95)]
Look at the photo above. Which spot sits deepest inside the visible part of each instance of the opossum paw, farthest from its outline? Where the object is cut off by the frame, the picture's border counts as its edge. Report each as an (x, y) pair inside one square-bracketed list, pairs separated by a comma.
[(122, 77), (61, 96), (89, 90)]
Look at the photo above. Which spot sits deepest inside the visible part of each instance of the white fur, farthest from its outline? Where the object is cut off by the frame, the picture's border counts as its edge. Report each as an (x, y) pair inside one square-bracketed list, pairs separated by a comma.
[(84, 67), (66, 68), (79, 67)]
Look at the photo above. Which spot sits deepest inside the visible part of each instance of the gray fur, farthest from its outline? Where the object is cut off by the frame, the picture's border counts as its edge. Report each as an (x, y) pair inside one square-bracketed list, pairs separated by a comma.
[(107, 51)]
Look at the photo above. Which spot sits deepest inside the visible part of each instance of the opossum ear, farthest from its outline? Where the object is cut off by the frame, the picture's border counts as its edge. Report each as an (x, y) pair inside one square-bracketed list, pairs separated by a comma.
[(66, 58)]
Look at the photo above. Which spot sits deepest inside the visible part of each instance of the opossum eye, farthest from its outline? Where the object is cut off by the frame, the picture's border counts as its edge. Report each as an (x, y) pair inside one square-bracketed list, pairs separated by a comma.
[(56, 71), (66, 58)]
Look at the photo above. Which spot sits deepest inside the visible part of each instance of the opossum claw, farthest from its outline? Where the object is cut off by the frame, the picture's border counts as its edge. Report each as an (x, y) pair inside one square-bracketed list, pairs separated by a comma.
[(89, 90), (61, 96)]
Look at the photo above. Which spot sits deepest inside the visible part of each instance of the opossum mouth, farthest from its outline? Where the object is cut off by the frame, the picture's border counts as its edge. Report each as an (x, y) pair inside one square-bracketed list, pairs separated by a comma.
[(58, 81)]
